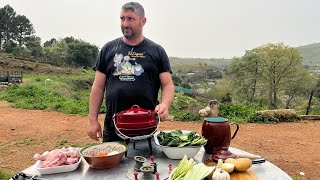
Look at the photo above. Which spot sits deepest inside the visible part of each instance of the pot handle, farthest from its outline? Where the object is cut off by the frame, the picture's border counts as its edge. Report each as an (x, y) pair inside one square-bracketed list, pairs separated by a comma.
[(135, 106), (235, 133)]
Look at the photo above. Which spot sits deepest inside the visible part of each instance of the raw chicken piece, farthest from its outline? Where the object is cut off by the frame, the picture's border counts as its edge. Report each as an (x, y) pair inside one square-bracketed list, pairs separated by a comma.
[(56, 159), (71, 160)]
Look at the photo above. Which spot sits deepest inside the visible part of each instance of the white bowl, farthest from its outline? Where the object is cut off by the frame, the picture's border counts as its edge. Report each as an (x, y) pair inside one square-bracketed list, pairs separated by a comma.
[(57, 169), (177, 152)]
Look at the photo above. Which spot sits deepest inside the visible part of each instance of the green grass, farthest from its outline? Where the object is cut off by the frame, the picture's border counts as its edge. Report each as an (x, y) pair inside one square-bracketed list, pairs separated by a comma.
[(62, 93), (5, 174), (63, 142), (299, 178), (28, 141)]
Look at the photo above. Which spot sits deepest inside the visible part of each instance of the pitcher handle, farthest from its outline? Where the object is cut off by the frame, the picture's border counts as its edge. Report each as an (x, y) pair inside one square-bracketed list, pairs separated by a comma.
[(235, 133)]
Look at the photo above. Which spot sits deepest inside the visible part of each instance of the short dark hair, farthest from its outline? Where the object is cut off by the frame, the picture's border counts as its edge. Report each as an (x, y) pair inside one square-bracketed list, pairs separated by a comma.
[(135, 7)]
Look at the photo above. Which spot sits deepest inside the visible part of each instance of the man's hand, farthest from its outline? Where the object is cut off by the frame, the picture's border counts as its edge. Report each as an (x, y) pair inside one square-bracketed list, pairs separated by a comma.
[(94, 130), (162, 111)]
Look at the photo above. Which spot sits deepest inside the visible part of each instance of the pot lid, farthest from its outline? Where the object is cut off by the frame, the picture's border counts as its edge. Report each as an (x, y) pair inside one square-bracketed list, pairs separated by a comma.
[(135, 110), (218, 119)]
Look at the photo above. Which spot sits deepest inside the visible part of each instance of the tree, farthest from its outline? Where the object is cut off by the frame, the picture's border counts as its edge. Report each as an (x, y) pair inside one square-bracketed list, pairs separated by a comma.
[(23, 27), (245, 74), (56, 54), (50, 42), (33, 43), (301, 84), (266, 71), (7, 15), (81, 54), (203, 67), (176, 80)]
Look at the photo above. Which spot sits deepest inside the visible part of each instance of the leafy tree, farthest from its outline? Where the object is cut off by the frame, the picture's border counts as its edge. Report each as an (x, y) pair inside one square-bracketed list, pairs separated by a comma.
[(203, 68), (56, 54), (24, 28), (33, 43), (71, 40), (301, 84), (244, 73), (50, 42), (7, 15), (9, 46), (176, 80), (81, 54), (265, 71)]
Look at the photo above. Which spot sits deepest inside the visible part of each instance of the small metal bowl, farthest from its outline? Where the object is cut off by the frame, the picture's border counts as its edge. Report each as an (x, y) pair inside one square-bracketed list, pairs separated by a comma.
[(104, 162)]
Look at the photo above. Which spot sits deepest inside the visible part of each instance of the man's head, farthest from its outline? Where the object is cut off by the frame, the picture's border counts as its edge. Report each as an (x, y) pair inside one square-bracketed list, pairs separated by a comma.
[(132, 20)]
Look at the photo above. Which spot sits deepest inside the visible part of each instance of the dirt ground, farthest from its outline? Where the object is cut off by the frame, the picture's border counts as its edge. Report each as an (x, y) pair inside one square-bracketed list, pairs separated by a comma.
[(294, 147)]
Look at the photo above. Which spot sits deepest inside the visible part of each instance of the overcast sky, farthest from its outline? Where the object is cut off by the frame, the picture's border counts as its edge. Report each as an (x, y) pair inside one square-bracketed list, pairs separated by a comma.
[(185, 28)]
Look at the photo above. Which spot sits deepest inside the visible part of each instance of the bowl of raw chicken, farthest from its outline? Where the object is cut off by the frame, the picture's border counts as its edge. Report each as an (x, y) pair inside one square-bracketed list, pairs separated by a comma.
[(105, 155), (58, 160)]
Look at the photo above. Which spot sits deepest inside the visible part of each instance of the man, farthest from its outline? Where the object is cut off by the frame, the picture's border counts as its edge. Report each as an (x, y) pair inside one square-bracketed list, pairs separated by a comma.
[(131, 69)]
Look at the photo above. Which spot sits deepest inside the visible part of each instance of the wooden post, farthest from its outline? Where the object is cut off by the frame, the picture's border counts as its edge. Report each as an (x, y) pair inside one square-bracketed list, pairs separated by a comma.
[(309, 104)]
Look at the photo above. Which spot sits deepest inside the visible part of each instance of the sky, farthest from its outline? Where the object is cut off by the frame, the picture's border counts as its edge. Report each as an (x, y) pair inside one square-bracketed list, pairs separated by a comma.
[(185, 28)]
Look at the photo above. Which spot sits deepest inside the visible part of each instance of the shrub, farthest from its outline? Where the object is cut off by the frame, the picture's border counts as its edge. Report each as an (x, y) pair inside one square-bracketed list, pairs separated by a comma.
[(274, 116)]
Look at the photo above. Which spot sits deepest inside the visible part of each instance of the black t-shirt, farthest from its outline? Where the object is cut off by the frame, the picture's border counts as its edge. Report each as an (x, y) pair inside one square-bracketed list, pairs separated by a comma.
[(132, 74)]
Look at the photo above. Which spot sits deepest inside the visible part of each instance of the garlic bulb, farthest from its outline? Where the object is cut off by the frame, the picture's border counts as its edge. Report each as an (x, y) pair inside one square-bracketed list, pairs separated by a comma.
[(220, 174)]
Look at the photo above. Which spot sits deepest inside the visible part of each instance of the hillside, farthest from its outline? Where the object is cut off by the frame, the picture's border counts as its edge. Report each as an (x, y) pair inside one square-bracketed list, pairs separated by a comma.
[(310, 54), (189, 63), (9, 63)]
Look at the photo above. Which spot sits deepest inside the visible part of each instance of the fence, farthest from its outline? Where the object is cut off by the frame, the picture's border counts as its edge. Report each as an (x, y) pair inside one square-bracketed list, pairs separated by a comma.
[(182, 89), (10, 76)]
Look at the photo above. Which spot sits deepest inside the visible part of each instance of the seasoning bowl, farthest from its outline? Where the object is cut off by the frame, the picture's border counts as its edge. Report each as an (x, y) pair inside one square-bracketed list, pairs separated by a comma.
[(105, 155)]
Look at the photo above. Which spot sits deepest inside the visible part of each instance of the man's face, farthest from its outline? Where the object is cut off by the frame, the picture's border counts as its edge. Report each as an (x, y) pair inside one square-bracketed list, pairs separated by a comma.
[(131, 24)]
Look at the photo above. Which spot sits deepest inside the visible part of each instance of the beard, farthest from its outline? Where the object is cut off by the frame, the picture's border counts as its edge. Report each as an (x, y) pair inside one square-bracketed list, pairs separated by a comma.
[(128, 32)]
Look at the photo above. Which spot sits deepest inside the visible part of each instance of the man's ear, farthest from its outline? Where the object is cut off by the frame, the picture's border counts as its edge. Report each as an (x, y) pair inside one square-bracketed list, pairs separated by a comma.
[(144, 20)]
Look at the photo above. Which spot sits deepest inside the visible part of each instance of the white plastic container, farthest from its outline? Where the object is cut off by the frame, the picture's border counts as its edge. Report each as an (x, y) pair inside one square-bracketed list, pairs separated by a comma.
[(177, 152), (57, 169)]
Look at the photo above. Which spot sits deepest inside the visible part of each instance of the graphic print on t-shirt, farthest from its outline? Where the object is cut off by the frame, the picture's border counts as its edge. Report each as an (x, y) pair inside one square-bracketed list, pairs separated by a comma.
[(127, 67)]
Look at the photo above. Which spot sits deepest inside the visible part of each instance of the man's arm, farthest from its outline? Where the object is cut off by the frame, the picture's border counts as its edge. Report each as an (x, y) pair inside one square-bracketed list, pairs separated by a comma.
[(167, 94), (96, 98)]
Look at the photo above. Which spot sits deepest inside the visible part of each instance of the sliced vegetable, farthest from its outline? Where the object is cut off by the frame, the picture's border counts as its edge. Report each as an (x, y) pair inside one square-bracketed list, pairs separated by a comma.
[(184, 166), (198, 172)]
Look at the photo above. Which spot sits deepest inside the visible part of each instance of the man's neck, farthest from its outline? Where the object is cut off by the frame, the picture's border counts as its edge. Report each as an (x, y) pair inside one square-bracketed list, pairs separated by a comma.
[(133, 42)]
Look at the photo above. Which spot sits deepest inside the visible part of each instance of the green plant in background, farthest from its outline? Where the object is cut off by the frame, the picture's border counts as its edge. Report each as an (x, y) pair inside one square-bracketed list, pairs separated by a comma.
[(238, 112), (180, 108), (274, 116)]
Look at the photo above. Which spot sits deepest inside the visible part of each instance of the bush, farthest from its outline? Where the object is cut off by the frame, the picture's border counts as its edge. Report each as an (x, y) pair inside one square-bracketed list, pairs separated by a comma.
[(237, 111), (180, 105), (274, 116)]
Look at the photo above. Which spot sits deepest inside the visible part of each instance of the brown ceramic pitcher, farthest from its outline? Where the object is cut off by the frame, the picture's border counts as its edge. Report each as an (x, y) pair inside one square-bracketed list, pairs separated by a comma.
[(218, 134)]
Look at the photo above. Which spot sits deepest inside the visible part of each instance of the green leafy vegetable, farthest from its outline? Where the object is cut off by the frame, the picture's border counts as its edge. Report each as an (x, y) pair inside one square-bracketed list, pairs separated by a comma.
[(178, 139)]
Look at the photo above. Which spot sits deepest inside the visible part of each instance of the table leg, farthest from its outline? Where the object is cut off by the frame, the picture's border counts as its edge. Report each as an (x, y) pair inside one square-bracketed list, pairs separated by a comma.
[(150, 145), (127, 142)]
